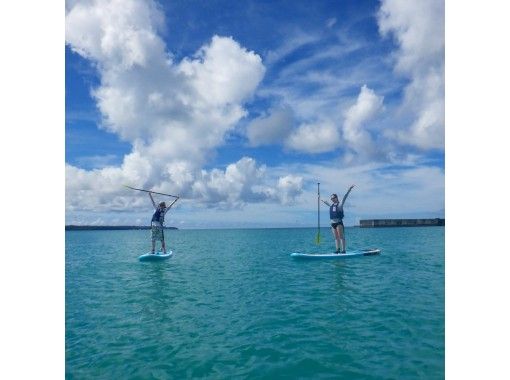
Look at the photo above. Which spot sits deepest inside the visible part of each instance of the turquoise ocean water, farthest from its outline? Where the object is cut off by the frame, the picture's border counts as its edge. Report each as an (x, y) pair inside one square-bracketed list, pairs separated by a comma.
[(233, 304)]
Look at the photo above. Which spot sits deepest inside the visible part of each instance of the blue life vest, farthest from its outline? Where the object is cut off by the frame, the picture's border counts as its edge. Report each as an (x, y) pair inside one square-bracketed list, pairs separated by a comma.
[(336, 212), (158, 216)]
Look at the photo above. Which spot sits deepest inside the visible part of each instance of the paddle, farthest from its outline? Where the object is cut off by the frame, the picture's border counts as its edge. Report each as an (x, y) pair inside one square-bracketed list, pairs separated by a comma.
[(176, 199), (153, 192), (318, 237)]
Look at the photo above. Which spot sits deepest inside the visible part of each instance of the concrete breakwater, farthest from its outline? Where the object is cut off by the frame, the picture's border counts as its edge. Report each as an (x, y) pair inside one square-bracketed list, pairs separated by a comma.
[(401, 222)]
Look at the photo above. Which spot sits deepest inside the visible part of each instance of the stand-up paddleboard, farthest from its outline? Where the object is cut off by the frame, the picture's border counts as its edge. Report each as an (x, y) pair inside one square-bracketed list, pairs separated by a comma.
[(156, 256), (349, 253)]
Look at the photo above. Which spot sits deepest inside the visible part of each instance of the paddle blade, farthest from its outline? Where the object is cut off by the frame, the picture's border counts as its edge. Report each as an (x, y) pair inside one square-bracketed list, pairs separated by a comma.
[(318, 239)]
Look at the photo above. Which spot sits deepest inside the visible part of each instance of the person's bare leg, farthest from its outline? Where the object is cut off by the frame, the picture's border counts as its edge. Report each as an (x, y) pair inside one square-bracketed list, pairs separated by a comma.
[(153, 245), (163, 246), (342, 237), (333, 230)]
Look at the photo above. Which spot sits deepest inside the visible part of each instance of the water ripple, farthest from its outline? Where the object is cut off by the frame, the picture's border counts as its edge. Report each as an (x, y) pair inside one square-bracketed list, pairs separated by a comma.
[(233, 304)]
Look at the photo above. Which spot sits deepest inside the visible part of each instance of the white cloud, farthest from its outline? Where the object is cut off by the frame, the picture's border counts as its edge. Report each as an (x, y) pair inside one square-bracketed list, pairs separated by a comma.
[(272, 128), (243, 182), (173, 114), (224, 72), (409, 189), (418, 28), (317, 137), (289, 187), (115, 34), (295, 42), (176, 113), (330, 22), (425, 96), (381, 191), (318, 83), (232, 187), (240, 183), (318, 88), (355, 132), (166, 110)]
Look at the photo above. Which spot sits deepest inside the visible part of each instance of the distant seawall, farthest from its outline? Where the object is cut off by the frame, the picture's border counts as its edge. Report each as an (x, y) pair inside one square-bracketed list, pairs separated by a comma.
[(401, 222), (91, 228)]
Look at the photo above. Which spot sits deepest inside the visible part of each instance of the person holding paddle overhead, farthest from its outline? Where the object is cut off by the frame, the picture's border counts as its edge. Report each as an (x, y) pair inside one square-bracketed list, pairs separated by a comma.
[(336, 214), (157, 223)]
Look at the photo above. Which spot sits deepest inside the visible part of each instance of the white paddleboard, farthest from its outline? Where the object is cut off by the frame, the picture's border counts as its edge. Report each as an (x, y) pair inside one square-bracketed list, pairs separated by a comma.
[(349, 253), (155, 256)]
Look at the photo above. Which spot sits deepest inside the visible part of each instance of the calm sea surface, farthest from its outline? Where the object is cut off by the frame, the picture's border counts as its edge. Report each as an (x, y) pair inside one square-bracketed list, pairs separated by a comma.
[(233, 304)]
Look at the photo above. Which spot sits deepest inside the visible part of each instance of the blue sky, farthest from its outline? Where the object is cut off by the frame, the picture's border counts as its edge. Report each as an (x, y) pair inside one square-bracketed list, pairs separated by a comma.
[(414, 184), (242, 107)]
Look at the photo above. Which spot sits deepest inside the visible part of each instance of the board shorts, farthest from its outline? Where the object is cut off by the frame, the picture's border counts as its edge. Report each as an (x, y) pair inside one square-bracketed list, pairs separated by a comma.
[(335, 225), (157, 233)]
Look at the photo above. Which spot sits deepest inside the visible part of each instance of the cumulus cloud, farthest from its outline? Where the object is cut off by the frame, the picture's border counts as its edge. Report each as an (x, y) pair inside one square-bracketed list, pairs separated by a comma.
[(272, 128), (115, 34), (289, 188), (355, 133), (173, 113), (223, 72), (410, 189), (162, 107), (418, 28), (319, 137), (241, 182), (238, 183)]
